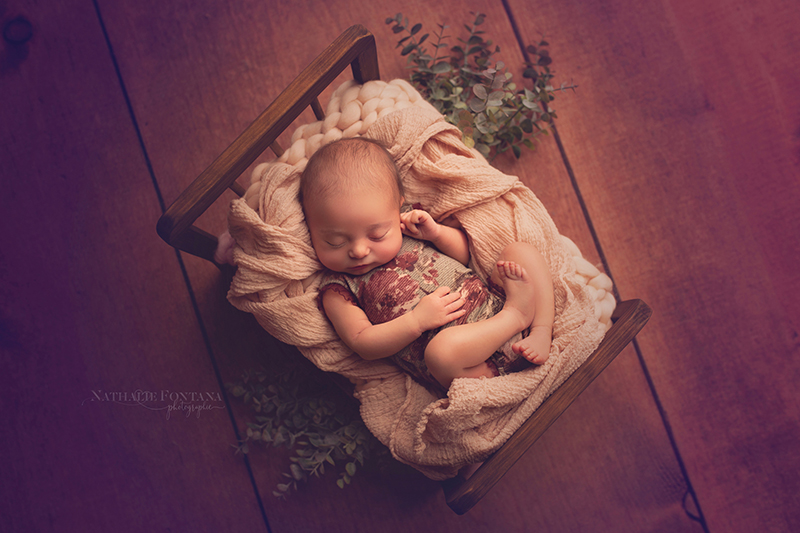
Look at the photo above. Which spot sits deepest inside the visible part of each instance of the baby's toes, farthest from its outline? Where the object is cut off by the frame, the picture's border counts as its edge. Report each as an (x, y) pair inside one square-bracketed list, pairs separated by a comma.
[(521, 349), (510, 270), (541, 359), (532, 356), (530, 353)]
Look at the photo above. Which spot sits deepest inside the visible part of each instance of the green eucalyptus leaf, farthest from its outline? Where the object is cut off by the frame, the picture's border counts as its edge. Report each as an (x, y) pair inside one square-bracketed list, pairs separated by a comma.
[(442, 67), (495, 99), (476, 105), (527, 125), (297, 472)]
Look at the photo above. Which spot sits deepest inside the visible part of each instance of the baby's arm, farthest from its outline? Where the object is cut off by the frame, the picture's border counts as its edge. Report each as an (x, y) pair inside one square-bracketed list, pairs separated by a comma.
[(450, 241), (376, 341)]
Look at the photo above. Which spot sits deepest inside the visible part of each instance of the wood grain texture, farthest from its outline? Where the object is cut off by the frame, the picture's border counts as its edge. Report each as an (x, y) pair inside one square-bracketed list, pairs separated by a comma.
[(684, 143), (92, 302), (197, 73)]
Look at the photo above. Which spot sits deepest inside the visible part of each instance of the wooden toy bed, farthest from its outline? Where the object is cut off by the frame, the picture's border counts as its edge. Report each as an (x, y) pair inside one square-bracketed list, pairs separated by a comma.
[(356, 47)]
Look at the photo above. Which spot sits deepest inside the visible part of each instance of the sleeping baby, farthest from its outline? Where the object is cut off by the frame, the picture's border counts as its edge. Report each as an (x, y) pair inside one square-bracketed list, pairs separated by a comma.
[(397, 282)]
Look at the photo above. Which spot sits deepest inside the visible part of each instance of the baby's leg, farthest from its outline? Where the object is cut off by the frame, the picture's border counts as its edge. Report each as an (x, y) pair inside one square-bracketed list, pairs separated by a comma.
[(462, 351), (536, 346)]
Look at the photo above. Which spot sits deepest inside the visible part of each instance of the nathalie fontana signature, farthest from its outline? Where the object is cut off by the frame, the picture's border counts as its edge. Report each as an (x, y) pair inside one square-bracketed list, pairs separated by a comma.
[(188, 403)]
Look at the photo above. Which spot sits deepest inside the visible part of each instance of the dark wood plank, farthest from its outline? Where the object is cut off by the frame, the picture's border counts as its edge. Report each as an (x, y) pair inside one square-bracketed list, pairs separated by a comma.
[(92, 301), (684, 142), (175, 72)]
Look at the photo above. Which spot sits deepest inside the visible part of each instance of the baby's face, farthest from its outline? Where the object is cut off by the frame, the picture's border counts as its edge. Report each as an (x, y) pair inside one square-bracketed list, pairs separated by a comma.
[(355, 232)]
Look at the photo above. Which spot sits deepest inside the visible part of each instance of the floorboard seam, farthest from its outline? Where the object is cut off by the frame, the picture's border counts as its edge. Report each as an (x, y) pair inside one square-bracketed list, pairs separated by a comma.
[(130, 108), (184, 272), (584, 209), (221, 384), (673, 443)]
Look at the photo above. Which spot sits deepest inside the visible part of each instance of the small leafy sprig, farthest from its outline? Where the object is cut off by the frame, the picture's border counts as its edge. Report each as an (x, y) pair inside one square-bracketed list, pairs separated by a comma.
[(475, 92), (309, 417)]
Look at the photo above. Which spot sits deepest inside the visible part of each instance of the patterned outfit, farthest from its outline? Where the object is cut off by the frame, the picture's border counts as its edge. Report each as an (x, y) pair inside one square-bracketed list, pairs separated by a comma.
[(395, 288)]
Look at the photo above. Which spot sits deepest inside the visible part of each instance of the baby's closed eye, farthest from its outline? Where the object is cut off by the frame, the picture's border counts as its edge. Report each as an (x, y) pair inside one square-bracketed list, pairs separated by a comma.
[(379, 237)]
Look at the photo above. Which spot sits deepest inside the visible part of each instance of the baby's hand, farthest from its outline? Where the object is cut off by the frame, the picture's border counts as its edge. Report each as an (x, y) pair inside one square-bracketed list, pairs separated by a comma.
[(438, 308), (420, 225)]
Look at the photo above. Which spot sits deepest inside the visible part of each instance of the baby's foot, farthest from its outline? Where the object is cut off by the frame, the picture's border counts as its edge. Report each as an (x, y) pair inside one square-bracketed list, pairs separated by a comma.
[(536, 346), (519, 290)]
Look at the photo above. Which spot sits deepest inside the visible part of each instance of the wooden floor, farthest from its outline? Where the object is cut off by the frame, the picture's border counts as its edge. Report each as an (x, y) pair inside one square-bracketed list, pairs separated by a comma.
[(676, 166)]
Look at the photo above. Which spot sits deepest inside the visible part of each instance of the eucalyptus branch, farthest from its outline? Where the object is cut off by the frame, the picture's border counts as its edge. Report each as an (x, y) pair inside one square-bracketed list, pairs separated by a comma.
[(493, 116), (311, 418)]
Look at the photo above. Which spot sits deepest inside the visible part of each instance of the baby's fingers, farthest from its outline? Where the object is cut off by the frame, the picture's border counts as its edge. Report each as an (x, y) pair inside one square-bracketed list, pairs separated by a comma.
[(442, 291), (454, 315), (455, 300), (408, 225)]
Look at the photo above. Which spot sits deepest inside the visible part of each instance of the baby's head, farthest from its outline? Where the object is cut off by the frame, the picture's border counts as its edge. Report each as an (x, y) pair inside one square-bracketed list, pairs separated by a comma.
[(351, 195)]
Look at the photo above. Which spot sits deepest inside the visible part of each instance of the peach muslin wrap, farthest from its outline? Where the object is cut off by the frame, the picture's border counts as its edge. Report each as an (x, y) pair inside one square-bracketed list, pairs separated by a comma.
[(278, 276)]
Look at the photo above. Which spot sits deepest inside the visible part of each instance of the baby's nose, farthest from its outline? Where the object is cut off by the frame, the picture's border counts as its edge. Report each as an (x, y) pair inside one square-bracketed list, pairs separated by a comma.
[(359, 250)]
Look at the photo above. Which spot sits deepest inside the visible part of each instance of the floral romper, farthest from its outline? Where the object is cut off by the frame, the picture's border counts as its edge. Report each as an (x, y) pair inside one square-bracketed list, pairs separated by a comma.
[(395, 288)]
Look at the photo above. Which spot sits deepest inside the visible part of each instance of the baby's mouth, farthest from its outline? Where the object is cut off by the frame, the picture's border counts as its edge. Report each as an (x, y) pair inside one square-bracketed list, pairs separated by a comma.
[(360, 268)]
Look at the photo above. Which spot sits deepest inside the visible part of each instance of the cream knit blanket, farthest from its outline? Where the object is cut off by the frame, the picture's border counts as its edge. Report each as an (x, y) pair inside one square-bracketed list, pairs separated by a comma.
[(278, 277)]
